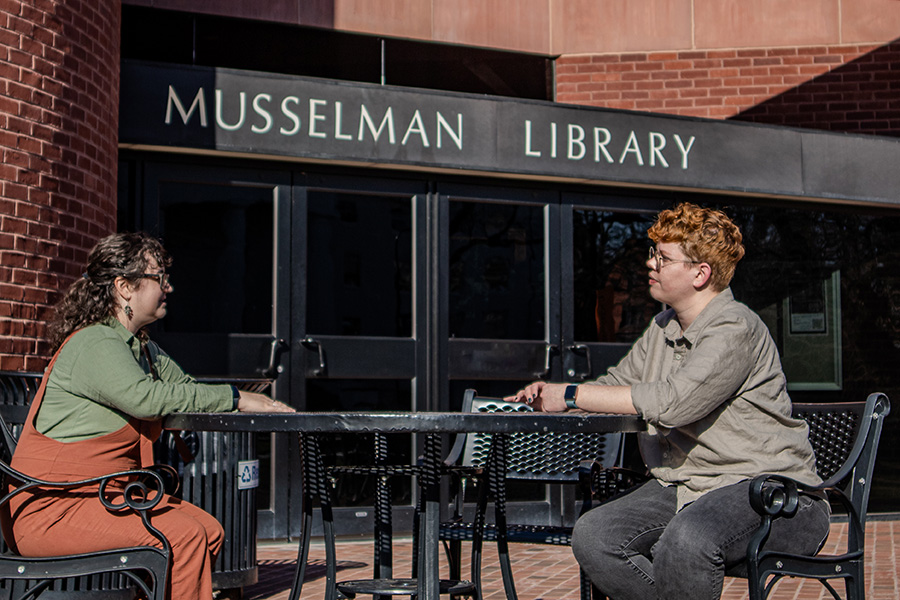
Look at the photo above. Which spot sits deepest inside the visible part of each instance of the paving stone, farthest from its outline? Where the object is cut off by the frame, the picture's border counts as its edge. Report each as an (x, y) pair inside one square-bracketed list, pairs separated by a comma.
[(550, 572)]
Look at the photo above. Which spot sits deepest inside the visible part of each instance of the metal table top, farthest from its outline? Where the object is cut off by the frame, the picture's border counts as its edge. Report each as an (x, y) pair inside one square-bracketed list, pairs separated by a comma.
[(428, 586), (407, 422)]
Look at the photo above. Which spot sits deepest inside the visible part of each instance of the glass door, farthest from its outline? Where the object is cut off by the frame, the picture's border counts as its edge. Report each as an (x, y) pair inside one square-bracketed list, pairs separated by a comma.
[(358, 321), (502, 299), (501, 303), (227, 314)]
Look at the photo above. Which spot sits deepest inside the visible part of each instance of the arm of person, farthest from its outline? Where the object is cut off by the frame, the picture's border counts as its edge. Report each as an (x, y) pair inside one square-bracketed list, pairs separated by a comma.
[(550, 397), (172, 372), (253, 402), (610, 393), (726, 357), (106, 372)]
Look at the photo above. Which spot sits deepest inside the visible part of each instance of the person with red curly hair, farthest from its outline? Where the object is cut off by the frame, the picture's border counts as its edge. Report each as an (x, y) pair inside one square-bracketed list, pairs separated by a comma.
[(707, 379)]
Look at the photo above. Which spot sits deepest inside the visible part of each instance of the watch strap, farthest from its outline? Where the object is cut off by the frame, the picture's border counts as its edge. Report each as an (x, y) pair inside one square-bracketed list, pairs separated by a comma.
[(569, 396)]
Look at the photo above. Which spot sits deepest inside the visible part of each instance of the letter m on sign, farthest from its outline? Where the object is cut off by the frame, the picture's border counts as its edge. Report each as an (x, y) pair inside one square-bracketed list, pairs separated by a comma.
[(199, 104)]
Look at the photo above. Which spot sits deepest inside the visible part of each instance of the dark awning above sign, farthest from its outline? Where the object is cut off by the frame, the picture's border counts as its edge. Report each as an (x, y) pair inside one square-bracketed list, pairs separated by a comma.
[(231, 111)]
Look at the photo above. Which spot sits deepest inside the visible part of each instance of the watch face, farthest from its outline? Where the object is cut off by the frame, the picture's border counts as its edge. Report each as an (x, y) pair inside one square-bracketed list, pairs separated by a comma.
[(570, 392)]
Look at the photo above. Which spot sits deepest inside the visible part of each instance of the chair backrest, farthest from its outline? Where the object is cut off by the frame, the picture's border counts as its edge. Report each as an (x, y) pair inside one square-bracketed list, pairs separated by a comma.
[(844, 437), (16, 392), (7, 441), (17, 388), (539, 456)]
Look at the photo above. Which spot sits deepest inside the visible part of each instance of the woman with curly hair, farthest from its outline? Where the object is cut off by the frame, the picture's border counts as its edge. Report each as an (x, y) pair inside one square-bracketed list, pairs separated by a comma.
[(100, 408)]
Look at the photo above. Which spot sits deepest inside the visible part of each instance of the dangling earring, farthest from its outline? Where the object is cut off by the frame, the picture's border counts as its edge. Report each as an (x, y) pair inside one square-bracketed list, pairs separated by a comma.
[(129, 312)]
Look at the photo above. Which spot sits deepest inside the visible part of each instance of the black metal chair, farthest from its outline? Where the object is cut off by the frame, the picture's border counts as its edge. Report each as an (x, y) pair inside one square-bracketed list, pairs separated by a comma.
[(145, 567), (17, 388), (844, 437), (542, 458)]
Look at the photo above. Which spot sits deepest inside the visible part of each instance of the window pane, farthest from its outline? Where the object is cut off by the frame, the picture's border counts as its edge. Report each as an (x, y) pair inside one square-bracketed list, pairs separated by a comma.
[(496, 271), (221, 240), (611, 290), (360, 265), (791, 276)]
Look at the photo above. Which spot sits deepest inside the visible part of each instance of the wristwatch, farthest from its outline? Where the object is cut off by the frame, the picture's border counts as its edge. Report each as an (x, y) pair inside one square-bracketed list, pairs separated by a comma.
[(569, 396)]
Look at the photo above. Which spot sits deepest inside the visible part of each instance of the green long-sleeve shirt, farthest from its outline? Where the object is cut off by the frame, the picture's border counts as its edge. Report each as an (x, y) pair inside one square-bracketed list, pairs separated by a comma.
[(101, 377)]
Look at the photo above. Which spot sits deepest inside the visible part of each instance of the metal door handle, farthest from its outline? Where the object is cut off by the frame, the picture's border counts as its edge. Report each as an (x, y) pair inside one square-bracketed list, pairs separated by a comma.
[(578, 348), (548, 351), (309, 342), (279, 346)]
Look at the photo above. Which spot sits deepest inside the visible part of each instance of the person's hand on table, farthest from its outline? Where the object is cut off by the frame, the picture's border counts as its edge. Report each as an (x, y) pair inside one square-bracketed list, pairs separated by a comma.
[(542, 396), (253, 402)]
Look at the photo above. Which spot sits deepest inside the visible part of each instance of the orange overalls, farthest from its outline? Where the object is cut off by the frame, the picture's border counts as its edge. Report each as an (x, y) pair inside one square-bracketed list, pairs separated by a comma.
[(72, 522)]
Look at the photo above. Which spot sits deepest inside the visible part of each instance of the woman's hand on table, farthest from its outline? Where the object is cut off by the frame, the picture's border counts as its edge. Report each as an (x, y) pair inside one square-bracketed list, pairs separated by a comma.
[(542, 396), (253, 402)]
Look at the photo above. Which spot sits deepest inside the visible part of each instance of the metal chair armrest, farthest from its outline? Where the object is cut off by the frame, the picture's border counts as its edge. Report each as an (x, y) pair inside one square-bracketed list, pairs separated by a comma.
[(775, 495), (778, 496), (138, 490), (170, 476)]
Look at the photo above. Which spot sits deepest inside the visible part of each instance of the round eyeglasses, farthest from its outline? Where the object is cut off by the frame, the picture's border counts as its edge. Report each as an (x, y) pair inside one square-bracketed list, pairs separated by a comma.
[(662, 261), (161, 278)]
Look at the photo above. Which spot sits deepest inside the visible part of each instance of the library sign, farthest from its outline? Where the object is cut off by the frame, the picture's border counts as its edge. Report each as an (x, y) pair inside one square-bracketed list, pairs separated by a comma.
[(231, 111)]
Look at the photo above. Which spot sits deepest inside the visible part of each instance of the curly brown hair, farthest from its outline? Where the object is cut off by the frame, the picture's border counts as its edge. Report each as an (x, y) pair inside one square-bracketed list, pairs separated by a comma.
[(704, 235), (91, 298)]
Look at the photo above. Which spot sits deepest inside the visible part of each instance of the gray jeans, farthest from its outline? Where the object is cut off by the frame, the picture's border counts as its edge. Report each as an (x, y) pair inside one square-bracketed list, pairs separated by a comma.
[(637, 547)]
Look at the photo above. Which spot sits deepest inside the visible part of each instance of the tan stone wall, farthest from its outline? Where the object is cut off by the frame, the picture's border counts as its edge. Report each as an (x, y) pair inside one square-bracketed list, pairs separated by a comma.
[(560, 27)]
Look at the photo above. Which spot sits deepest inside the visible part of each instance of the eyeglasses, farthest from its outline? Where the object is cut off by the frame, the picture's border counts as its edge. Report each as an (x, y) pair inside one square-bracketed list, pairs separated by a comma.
[(161, 278), (662, 261)]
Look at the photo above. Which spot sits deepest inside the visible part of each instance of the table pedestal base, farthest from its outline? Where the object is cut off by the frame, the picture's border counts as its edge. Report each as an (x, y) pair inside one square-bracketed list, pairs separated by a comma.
[(400, 587)]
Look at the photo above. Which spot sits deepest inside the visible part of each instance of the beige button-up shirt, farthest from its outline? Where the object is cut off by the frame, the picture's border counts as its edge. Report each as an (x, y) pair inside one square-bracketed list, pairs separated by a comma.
[(715, 401)]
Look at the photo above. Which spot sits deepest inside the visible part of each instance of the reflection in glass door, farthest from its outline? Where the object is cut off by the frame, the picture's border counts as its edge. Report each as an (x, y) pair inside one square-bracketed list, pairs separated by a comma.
[(222, 237), (360, 260), (497, 281)]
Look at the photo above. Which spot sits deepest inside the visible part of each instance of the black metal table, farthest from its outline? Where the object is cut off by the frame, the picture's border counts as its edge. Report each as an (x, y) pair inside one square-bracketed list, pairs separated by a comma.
[(309, 425)]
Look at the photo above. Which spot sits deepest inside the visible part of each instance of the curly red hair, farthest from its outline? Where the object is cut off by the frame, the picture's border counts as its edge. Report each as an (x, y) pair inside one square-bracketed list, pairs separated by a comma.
[(704, 235)]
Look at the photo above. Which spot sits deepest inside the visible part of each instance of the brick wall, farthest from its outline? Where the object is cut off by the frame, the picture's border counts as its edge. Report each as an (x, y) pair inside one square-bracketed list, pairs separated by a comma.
[(59, 73), (839, 88)]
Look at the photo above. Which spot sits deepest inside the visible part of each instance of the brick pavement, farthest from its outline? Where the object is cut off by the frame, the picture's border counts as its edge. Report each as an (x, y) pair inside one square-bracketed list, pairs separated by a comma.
[(550, 573)]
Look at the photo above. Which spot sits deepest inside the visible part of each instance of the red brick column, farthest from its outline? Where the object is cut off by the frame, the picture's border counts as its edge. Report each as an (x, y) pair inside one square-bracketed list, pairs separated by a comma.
[(837, 88), (59, 81)]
